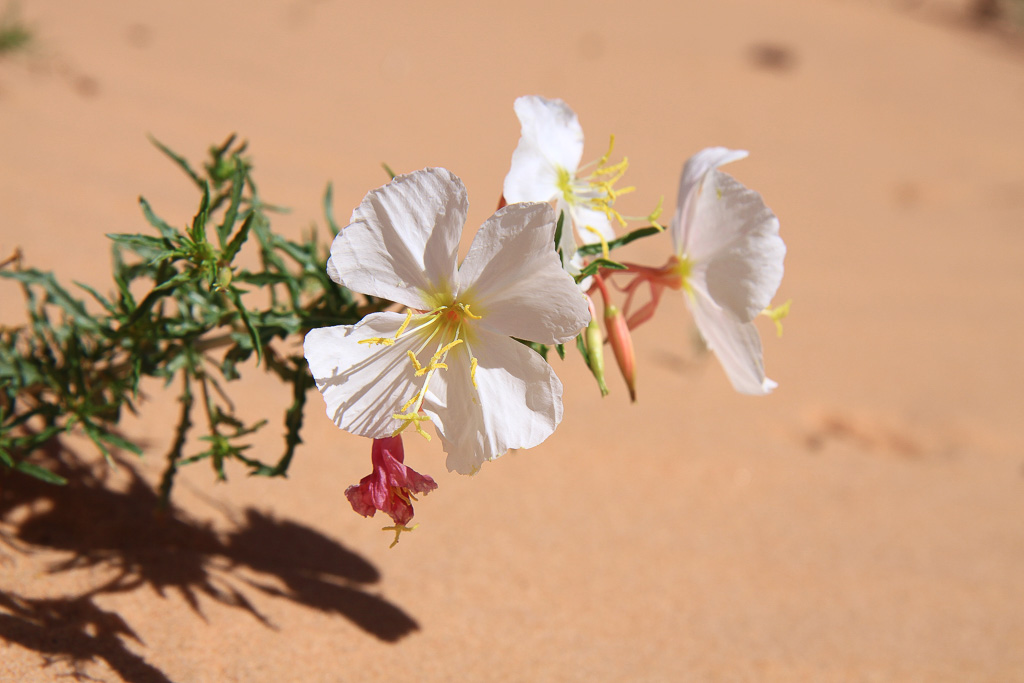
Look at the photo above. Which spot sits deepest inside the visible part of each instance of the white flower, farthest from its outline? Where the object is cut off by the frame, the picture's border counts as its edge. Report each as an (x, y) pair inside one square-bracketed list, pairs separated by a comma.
[(729, 255), (452, 358), (545, 167)]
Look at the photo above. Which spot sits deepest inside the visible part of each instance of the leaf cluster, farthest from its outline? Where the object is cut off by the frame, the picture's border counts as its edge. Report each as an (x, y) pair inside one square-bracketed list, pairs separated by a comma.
[(184, 312)]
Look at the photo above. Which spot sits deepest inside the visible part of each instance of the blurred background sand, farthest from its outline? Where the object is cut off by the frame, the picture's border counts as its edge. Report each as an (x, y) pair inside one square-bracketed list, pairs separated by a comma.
[(864, 522)]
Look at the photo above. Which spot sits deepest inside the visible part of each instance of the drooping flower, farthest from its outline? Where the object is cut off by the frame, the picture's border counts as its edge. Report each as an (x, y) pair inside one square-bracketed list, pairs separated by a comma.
[(546, 167), (391, 487), (728, 258), (452, 358)]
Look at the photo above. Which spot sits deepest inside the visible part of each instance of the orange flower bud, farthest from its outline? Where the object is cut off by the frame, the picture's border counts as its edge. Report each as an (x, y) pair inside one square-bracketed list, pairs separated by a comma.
[(622, 344)]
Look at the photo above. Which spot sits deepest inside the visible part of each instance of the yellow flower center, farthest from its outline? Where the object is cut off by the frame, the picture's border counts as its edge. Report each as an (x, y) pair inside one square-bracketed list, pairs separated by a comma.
[(597, 190), (441, 330)]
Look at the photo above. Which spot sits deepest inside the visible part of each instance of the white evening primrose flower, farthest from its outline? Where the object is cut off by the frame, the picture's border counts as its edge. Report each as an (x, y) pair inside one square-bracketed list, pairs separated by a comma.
[(452, 358), (728, 256), (546, 167)]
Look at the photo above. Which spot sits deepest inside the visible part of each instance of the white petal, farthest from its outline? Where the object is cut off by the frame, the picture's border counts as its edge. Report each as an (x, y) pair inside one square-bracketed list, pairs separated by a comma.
[(736, 344), (735, 237), (332, 272), (363, 384), (694, 171), (403, 240), (587, 221), (514, 279), (518, 402), (551, 139)]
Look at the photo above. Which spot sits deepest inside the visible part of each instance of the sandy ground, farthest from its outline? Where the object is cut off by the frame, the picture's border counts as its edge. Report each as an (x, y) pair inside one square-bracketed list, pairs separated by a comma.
[(863, 523)]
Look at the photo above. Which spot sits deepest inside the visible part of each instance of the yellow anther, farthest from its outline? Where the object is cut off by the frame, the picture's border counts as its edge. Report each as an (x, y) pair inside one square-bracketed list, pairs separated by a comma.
[(408, 317), (398, 529), (472, 370), (656, 214), (608, 154), (443, 350), (777, 314), (605, 252), (413, 419), (415, 363), (430, 367), (386, 341), (404, 494), (465, 309)]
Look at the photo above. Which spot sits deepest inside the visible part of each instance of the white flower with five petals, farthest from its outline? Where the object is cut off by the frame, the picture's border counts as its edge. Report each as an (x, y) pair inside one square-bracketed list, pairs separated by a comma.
[(729, 256), (451, 358), (545, 167)]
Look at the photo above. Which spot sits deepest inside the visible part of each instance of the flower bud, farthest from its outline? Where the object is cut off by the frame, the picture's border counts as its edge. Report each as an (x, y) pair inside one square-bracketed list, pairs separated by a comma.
[(622, 344), (595, 353)]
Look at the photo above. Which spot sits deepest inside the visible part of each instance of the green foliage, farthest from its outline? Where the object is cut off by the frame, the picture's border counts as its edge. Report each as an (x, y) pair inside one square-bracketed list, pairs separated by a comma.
[(183, 312), (14, 35)]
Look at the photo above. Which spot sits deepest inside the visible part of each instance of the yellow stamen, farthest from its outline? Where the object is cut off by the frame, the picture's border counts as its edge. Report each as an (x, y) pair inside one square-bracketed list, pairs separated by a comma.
[(413, 419), (604, 243), (443, 350), (656, 214), (408, 317), (472, 371), (415, 363), (386, 341), (465, 310), (398, 529), (777, 314), (608, 154)]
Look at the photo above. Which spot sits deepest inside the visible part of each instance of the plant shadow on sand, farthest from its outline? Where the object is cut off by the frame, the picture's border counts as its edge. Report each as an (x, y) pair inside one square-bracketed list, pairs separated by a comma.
[(114, 533)]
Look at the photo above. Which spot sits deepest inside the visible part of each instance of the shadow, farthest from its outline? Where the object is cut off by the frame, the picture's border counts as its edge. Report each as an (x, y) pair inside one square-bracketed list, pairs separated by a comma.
[(105, 523)]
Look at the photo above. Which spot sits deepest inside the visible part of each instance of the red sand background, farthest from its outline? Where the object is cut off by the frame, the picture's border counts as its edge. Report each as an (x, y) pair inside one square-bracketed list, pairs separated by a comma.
[(865, 522)]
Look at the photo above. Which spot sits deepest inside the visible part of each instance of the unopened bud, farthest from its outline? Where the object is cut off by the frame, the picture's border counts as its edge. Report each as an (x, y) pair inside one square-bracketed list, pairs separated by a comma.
[(595, 352), (622, 344)]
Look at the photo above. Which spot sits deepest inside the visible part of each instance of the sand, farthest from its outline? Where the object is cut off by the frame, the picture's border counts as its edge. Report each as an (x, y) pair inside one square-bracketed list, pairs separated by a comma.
[(863, 523)]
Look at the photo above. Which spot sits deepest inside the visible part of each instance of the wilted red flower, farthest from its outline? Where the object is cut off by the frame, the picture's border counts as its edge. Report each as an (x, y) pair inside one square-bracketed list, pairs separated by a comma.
[(391, 485)]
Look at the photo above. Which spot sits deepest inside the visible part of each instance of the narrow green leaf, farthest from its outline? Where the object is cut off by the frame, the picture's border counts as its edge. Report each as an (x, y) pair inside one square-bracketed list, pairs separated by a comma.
[(581, 345), (40, 473), (596, 265), (329, 210), (233, 293), (239, 239), (558, 231), (231, 215), (166, 230), (198, 231), (591, 249), (180, 161)]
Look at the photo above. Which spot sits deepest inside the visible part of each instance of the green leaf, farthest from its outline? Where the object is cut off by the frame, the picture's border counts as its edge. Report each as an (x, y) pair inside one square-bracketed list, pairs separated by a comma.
[(39, 473), (239, 239), (560, 348), (233, 293), (596, 265), (591, 249), (166, 230), (118, 442), (558, 231), (198, 231), (55, 294), (180, 161), (329, 210), (231, 215), (582, 346)]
